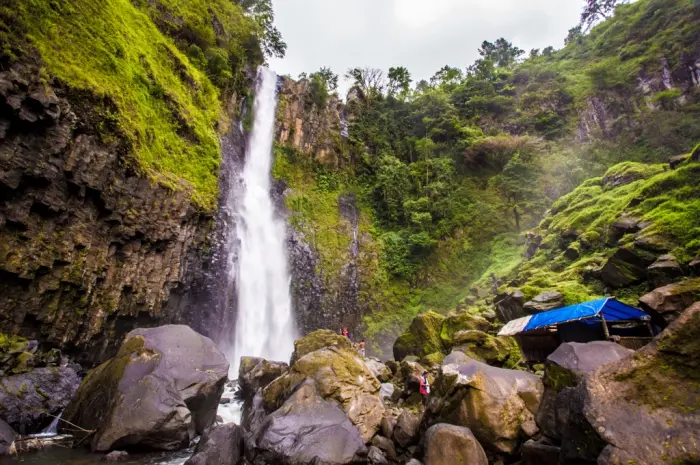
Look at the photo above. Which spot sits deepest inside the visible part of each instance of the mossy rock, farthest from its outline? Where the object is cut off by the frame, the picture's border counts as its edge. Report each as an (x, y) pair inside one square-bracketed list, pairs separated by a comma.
[(318, 340), (432, 361), (492, 350), (459, 323), (422, 337)]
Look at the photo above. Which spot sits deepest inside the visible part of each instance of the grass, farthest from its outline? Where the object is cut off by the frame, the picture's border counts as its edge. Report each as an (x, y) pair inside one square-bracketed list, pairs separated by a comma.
[(167, 108)]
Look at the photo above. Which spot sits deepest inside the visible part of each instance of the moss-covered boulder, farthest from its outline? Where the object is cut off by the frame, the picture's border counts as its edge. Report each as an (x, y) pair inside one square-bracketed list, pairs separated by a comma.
[(498, 405), (643, 408), (422, 337), (627, 266), (461, 322), (161, 389), (666, 303), (341, 376), (492, 350), (318, 340)]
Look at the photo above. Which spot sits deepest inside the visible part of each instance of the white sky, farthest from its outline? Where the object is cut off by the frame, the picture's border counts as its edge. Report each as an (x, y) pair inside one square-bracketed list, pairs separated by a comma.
[(422, 35)]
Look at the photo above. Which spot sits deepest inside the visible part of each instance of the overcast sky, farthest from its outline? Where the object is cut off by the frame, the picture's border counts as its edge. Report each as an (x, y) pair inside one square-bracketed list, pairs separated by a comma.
[(422, 35)]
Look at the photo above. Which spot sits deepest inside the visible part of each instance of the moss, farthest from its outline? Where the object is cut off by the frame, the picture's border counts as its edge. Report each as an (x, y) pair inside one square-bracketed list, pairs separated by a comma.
[(461, 322), (422, 337), (316, 340)]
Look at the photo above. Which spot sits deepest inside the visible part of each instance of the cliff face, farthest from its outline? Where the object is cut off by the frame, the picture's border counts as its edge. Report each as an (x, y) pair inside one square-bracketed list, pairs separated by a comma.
[(89, 249)]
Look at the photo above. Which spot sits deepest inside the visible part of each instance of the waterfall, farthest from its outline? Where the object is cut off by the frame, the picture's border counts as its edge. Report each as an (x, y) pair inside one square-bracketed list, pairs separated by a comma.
[(264, 323)]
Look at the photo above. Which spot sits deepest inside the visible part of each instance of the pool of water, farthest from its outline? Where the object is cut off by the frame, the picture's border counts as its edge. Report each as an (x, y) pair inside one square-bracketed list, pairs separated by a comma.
[(65, 456)]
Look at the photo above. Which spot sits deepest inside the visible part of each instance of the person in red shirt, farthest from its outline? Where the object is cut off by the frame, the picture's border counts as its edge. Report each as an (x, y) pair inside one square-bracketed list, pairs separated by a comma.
[(424, 387)]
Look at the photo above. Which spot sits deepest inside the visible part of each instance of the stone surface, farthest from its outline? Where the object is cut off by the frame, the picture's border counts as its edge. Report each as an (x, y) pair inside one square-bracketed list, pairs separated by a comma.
[(678, 160), (666, 303), (498, 405), (386, 445), (544, 302), (641, 409), (421, 338), (387, 425), (492, 350), (256, 373), (116, 456), (7, 437), (379, 370), (376, 456), (453, 325), (341, 376), (450, 445), (664, 271), (406, 429), (30, 401), (540, 453), (90, 248), (220, 445), (318, 340), (627, 266), (456, 357), (510, 306), (161, 389), (386, 391), (308, 429)]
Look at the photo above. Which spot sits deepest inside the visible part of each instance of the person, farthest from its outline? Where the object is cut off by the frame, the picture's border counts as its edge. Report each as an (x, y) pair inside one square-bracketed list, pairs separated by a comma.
[(362, 349), (345, 332), (424, 387)]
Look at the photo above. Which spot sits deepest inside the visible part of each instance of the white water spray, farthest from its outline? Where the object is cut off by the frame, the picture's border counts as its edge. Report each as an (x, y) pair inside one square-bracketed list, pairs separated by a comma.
[(264, 324)]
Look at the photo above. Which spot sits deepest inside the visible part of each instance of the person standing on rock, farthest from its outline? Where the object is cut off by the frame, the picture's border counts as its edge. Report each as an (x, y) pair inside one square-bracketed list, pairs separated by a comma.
[(361, 349), (424, 387), (345, 332)]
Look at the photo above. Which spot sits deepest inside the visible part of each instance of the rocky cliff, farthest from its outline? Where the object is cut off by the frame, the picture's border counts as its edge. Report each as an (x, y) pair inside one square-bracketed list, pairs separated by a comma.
[(90, 247)]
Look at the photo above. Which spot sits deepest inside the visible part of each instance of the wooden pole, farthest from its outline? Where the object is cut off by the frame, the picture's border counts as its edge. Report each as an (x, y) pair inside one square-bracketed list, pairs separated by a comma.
[(605, 327)]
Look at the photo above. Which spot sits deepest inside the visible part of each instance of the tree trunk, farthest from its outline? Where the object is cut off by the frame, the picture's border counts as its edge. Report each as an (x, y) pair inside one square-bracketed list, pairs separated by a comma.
[(516, 215)]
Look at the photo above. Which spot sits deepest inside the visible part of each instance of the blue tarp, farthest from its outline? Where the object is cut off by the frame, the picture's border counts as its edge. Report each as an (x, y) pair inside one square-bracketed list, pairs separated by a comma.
[(611, 309)]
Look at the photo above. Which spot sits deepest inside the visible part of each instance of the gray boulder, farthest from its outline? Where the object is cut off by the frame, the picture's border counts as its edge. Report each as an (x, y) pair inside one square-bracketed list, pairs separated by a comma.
[(627, 266), (456, 357), (386, 391), (7, 437), (161, 389), (665, 270), (544, 302), (308, 429), (376, 456), (379, 370), (256, 373), (30, 401), (540, 453), (510, 306), (220, 445), (406, 429), (666, 303), (449, 444), (386, 445)]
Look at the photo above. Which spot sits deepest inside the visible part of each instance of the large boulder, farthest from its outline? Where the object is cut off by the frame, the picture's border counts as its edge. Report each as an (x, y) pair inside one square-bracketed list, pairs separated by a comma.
[(161, 389), (540, 453), (510, 306), (318, 340), (455, 325), (341, 376), (666, 303), (498, 405), (421, 338), (406, 429), (566, 367), (627, 266), (220, 445), (256, 373), (7, 437), (664, 271), (544, 302), (378, 369), (30, 401), (642, 409), (492, 350), (450, 444), (308, 429)]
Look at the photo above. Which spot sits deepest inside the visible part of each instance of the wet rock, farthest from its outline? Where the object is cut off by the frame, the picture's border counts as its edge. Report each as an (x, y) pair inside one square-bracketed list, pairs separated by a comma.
[(498, 405), (316, 340), (627, 266), (492, 350), (675, 162), (642, 409), (544, 302), (454, 327), (456, 357), (341, 376), (406, 429), (421, 338), (694, 264), (224, 400), (7, 437), (379, 370), (386, 391), (386, 445), (540, 453), (256, 373), (29, 402), (664, 271), (376, 456), (450, 444), (666, 303), (387, 425), (410, 375), (161, 389), (220, 445), (510, 306), (116, 456), (566, 367), (432, 361), (308, 429), (622, 226)]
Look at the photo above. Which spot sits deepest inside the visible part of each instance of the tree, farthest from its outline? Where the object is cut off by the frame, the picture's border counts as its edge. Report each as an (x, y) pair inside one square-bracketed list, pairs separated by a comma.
[(328, 77), (447, 76), (503, 53), (367, 82), (270, 37), (549, 51), (517, 183), (534, 53), (595, 10), (575, 34), (399, 81)]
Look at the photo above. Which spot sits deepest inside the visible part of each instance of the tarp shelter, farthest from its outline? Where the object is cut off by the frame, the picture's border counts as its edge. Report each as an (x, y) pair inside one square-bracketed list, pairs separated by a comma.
[(603, 319)]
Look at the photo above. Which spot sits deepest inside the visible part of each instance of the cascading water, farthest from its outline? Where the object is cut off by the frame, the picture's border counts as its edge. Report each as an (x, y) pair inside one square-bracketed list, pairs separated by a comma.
[(264, 323)]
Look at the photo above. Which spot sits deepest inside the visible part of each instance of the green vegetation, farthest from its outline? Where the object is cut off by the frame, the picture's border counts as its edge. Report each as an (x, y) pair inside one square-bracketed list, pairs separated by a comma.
[(155, 70)]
